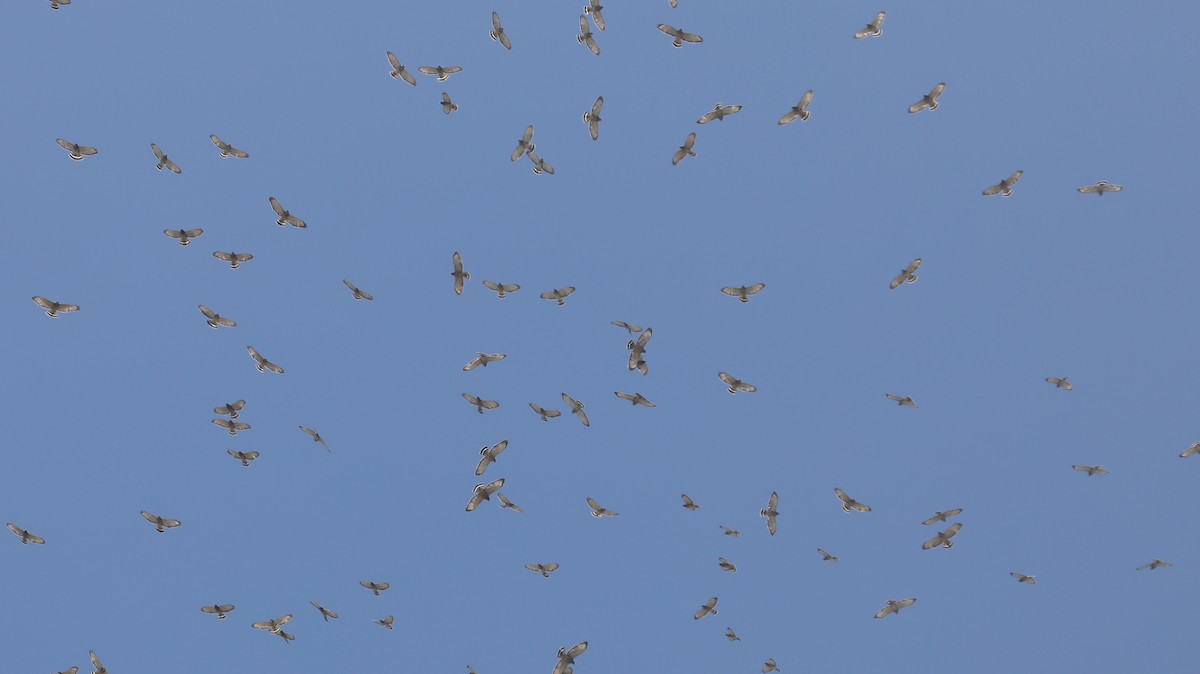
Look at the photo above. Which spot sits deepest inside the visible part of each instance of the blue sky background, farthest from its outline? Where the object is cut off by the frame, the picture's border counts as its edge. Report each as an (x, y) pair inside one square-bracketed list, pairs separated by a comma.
[(107, 410)]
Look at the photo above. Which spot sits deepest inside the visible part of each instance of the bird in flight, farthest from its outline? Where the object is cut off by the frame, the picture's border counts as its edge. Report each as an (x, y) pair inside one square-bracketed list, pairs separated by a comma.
[(743, 293), (719, 113), (489, 455), (726, 565), (164, 161), (1098, 189), (398, 70), (498, 32), (770, 512), (77, 152), (231, 427), (1091, 470), (220, 610), (545, 414), (160, 522), (483, 492), (679, 36), (479, 403), (637, 349), (325, 613), (894, 606), (234, 259), (374, 587), (544, 569), (595, 8), (825, 556), (215, 319), (26, 537), (798, 111), (906, 275), (285, 216), (1060, 382), (54, 308), (631, 328), (930, 100), (577, 409), (273, 626), (524, 143), (685, 150), (1004, 187), (505, 503), (1022, 578), (448, 106), (770, 666), (599, 510), (483, 359), (736, 384), (941, 516), (262, 364), (317, 437), (501, 288), (539, 165), (849, 504), (585, 36), (442, 72), (943, 538), (731, 635), (1157, 563), (706, 608), (903, 401), (226, 149), (231, 409), (185, 236), (634, 398), (688, 503), (592, 117), (99, 668), (566, 657), (359, 294), (732, 532), (1194, 449), (386, 621), (558, 294), (244, 457), (458, 273), (873, 29)]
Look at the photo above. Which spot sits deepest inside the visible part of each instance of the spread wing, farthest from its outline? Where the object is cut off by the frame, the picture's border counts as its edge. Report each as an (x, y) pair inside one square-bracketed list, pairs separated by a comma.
[(157, 152), (707, 117), (394, 61), (624, 396), (690, 37), (583, 417), (771, 524), (1194, 449), (773, 502), (706, 608), (428, 70), (918, 106), (171, 166), (994, 189), (687, 501), (69, 147), (95, 661), (523, 145), (1012, 179)]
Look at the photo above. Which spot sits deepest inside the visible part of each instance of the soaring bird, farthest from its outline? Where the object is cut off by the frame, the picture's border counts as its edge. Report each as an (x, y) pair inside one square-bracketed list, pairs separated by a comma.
[(770, 666), (285, 216), (234, 259), (164, 161), (442, 72), (800, 110), (160, 522), (903, 401), (398, 70), (262, 364), (719, 113), (489, 455), (631, 328), (736, 384), (599, 510), (498, 32), (872, 29), (215, 319), (479, 403), (679, 36), (731, 635), (317, 437), (54, 308), (943, 538), (685, 150), (374, 587), (448, 106), (576, 409), (906, 275), (231, 427), (540, 165), (1194, 449), (483, 492), (825, 556), (185, 236), (230, 410), (1098, 189), (359, 294), (1060, 382), (1091, 470), (524, 143), (770, 512), (226, 149), (501, 288), (558, 294), (733, 532), (1022, 578), (244, 457), (1154, 565), (544, 569), (483, 359), (743, 293), (76, 151), (545, 414), (726, 565), (26, 537), (385, 622), (941, 516), (849, 504), (707, 607), (566, 657), (595, 9), (930, 100), (637, 348), (54, 4), (458, 273), (634, 398), (585, 36), (1004, 187), (894, 606), (286, 636), (221, 610), (505, 503), (688, 503), (325, 613), (592, 117), (274, 625), (99, 668)]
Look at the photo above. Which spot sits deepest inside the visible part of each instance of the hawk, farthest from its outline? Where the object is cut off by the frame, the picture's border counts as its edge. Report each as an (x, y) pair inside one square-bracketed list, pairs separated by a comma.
[(54, 308), (595, 8), (585, 36), (1022, 578), (576, 409), (26, 537), (719, 113), (448, 106), (599, 510), (770, 666), (849, 504), (736, 384), (359, 294), (458, 273), (743, 293), (930, 100), (631, 328), (317, 437), (941, 516), (558, 294), (894, 606), (906, 275), (770, 512), (285, 216), (726, 565), (398, 70), (730, 532), (221, 610), (501, 288), (731, 635), (800, 110), (325, 613), (185, 236), (943, 538), (524, 143), (273, 626), (244, 457), (1195, 448), (685, 150), (385, 622), (544, 569), (498, 32), (483, 492), (566, 657), (636, 398), (688, 503), (1154, 565), (262, 364), (825, 556), (1004, 187), (92, 654), (483, 359), (873, 29), (679, 36), (539, 165), (1091, 470), (480, 404), (226, 149), (234, 259), (1099, 188), (903, 401), (231, 409), (442, 72), (637, 348), (231, 427), (374, 587), (164, 161), (1060, 382), (76, 151), (215, 319), (545, 414), (707, 607), (489, 455), (160, 522), (592, 117), (505, 503)]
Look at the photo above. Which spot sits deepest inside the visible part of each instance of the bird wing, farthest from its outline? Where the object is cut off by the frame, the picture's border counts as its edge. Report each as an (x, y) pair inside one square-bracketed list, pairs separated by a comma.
[(687, 501), (157, 152), (707, 117), (1012, 179), (994, 189), (789, 117), (624, 396), (690, 37), (394, 61), (428, 70)]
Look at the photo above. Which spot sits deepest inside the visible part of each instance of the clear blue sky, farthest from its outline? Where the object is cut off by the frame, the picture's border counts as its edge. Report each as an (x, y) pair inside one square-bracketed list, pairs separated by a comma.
[(107, 411)]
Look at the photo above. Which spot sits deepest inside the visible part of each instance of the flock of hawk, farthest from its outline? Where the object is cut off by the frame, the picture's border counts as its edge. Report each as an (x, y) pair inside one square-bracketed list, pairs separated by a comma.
[(592, 19)]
